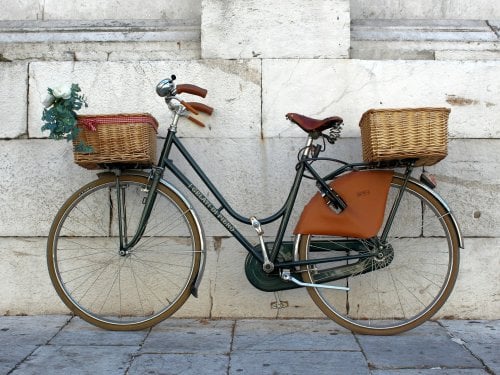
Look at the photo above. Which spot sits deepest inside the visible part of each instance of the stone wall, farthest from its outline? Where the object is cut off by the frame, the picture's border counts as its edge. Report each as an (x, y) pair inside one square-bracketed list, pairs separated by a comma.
[(253, 80)]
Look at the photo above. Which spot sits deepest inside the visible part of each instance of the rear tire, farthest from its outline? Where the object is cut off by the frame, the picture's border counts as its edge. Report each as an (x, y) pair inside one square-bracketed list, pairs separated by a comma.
[(408, 282)]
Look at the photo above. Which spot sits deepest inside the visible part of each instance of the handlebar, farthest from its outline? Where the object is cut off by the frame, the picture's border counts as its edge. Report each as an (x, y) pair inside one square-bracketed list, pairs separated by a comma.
[(168, 89), (200, 107), (191, 89)]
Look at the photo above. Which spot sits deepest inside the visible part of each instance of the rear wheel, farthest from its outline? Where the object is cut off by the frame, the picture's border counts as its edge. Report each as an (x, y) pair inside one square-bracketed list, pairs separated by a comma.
[(123, 291), (407, 278)]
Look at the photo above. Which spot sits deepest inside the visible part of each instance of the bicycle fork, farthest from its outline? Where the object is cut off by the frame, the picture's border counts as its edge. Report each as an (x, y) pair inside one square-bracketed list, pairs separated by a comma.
[(148, 202)]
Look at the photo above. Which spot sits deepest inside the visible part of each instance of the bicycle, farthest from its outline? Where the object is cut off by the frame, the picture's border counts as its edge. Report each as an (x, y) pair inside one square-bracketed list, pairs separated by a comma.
[(126, 250)]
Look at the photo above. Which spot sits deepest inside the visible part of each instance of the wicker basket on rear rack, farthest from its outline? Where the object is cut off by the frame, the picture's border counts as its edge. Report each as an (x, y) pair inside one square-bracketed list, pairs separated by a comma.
[(406, 133), (124, 140)]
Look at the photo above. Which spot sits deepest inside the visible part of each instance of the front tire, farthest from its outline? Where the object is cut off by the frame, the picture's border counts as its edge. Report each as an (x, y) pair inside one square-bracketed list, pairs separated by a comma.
[(123, 291)]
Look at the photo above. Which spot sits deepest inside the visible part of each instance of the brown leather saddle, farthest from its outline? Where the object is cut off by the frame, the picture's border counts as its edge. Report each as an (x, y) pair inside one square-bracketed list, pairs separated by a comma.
[(310, 125)]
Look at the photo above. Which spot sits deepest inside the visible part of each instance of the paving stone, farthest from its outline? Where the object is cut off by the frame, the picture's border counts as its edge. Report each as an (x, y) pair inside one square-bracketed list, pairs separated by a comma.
[(482, 338), (432, 371), (311, 335), (30, 330), (278, 362), (62, 360), (80, 333), (21, 335), (174, 364), (427, 346), (190, 336)]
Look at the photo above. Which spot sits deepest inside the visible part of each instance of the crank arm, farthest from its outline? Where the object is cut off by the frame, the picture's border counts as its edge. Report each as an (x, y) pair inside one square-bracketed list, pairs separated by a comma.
[(287, 277)]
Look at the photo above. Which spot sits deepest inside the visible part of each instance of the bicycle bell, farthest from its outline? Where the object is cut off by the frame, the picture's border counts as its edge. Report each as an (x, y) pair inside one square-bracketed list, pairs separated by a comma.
[(166, 87)]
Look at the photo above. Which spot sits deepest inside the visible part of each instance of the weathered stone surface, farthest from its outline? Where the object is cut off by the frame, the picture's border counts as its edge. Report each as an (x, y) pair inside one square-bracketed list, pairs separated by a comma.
[(225, 291), (102, 51), (423, 39), (62, 360), (475, 286), (474, 335), (321, 88), (260, 29), (181, 336), (468, 55), (427, 29), (91, 10), (469, 181), (26, 288), (37, 177), (129, 87), (13, 92), (21, 10), (255, 188), (429, 9), (20, 336), (427, 346)]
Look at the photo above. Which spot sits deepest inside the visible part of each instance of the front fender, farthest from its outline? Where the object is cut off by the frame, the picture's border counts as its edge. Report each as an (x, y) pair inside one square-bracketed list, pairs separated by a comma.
[(199, 228)]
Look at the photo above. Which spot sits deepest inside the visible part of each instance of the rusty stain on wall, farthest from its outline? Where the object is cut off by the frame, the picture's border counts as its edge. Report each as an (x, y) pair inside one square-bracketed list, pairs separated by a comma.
[(460, 101)]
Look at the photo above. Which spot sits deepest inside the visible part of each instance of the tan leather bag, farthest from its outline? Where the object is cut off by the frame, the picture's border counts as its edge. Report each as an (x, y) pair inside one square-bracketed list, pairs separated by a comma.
[(365, 193)]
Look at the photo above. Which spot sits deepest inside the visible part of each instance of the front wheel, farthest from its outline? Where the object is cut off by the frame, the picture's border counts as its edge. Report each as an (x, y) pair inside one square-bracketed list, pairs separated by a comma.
[(404, 283), (108, 287)]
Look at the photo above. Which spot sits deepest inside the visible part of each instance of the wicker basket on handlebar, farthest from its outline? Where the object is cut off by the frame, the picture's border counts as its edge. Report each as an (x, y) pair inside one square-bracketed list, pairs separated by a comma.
[(125, 140), (406, 133)]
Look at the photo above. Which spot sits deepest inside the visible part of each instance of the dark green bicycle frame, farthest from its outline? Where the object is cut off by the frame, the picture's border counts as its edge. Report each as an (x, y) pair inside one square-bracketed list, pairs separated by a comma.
[(284, 213)]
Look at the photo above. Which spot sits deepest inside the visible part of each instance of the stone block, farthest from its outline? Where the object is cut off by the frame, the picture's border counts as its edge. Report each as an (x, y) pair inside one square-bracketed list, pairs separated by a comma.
[(129, 87), (234, 296), (255, 176), (37, 176), (26, 288), (427, 9), (244, 170), (467, 55), (423, 39), (422, 29), (102, 51), (119, 9), (13, 99), (260, 29), (469, 181), (347, 88), (82, 40), (427, 346), (21, 10)]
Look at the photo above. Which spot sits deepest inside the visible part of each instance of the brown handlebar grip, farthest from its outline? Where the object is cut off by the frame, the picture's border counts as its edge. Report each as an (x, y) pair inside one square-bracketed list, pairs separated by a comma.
[(196, 121), (201, 107), (191, 89), (189, 108)]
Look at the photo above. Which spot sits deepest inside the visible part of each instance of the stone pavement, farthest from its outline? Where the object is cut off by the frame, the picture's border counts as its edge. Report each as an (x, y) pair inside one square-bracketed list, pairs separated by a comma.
[(64, 345)]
